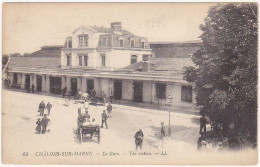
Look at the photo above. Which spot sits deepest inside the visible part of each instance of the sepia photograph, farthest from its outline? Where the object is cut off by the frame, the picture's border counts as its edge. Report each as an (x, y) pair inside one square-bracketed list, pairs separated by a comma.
[(129, 83)]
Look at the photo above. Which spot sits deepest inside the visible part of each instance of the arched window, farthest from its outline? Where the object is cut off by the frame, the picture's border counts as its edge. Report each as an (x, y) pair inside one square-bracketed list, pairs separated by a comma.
[(121, 41)]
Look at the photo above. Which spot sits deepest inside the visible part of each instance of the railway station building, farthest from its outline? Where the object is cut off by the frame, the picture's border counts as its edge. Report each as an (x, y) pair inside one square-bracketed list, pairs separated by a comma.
[(111, 61)]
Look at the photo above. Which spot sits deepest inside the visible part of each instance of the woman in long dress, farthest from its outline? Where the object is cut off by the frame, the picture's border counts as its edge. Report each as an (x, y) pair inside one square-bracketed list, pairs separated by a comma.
[(38, 127)]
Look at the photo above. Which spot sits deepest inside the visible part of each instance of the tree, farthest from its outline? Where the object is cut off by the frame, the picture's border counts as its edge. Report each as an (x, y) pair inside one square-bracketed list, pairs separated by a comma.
[(225, 72), (5, 58)]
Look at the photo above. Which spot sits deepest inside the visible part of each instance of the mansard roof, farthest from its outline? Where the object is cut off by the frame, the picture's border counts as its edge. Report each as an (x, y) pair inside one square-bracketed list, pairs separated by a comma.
[(97, 29)]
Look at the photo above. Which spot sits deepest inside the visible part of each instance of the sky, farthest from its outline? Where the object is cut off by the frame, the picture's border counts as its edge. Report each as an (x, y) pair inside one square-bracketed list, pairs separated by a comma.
[(28, 26)]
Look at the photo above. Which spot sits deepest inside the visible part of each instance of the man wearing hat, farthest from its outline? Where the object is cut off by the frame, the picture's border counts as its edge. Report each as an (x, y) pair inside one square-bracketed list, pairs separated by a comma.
[(139, 135), (109, 109), (104, 119), (48, 107), (86, 115), (44, 123), (42, 107)]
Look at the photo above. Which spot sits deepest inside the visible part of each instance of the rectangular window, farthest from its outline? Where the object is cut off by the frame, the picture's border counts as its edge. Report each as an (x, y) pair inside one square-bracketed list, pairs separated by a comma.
[(186, 93), (142, 43), (133, 59), (69, 43), (103, 60), (161, 90), (145, 57), (83, 40), (132, 43), (68, 60), (85, 60), (104, 42), (80, 60), (121, 43), (80, 40)]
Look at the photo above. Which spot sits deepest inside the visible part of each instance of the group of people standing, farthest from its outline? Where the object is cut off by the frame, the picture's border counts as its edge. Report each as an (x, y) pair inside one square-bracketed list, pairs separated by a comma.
[(104, 116), (42, 123)]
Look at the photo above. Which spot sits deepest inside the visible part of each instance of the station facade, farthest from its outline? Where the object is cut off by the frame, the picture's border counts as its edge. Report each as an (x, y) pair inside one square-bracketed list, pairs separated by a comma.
[(111, 61)]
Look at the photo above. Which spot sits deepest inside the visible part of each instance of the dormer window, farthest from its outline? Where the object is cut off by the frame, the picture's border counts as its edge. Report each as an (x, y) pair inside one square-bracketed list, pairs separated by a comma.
[(104, 42), (132, 43), (83, 40), (121, 42), (142, 43), (69, 43)]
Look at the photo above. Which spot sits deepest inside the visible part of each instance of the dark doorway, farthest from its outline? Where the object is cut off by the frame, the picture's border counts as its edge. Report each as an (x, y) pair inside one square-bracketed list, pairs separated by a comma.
[(90, 85), (186, 93), (74, 86), (15, 78), (138, 91), (27, 83), (55, 85), (39, 83), (118, 90)]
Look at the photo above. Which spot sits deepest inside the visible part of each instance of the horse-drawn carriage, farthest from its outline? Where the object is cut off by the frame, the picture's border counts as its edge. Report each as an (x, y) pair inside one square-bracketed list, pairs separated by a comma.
[(89, 130)]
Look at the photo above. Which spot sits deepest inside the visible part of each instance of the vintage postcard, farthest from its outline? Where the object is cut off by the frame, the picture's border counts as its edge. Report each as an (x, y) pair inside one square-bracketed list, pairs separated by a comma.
[(129, 83)]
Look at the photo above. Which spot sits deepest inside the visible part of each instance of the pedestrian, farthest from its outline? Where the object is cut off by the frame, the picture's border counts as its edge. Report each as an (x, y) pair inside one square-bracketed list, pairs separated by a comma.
[(203, 122), (109, 109), (44, 123), (76, 96), (85, 105), (79, 94), (139, 136), (103, 95), (38, 127), (162, 130), (48, 107), (104, 119), (80, 119), (42, 107), (163, 134), (64, 91), (93, 93), (86, 115), (66, 101), (32, 88)]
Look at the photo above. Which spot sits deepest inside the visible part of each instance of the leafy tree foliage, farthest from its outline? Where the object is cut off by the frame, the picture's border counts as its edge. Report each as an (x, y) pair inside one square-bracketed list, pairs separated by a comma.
[(4, 60), (225, 72)]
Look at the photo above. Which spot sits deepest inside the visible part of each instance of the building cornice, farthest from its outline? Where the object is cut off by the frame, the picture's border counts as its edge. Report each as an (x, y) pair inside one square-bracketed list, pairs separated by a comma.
[(144, 76), (107, 48)]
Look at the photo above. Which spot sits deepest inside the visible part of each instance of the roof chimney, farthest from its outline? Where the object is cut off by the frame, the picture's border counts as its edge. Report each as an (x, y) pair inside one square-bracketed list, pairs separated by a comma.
[(116, 26)]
